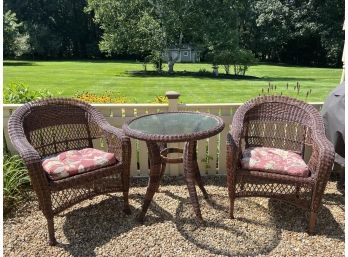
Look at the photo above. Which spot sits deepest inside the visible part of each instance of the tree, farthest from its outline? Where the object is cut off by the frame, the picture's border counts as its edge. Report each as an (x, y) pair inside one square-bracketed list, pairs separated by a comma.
[(140, 27), (330, 16), (15, 39), (272, 21), (57, 28), (300, 32), (129, 27)]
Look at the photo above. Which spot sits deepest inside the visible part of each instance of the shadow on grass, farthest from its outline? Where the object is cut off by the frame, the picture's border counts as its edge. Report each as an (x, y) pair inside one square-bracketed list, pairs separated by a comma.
[(19, 63), (284, 79), (209, 75)]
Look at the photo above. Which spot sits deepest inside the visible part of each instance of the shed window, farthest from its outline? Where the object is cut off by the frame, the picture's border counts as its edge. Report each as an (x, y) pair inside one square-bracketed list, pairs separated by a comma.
[(185, 53)]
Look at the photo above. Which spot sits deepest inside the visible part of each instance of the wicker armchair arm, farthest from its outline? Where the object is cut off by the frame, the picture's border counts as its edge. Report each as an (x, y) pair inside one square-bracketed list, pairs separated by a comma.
[(233, 139), (233, 142), (26, 151), (233, 153), (323, 154), (117, 141), (32, 160)]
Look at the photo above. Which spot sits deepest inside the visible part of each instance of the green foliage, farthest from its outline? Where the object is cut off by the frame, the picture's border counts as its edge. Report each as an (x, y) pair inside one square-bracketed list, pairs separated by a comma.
[(16, 180), (241, 59), (57, 28), (307, 32), (156, 59), (15, 40), (140, 27), (225, 58), (18, 93), (129, 26), (299, 32)]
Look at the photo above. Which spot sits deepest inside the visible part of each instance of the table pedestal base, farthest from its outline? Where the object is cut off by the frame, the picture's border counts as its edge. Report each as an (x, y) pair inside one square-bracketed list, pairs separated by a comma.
[(191, 174)]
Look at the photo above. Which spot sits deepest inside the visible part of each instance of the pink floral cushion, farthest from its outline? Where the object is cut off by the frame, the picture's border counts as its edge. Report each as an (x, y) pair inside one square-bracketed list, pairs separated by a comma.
[(274, 160), (74, 162)]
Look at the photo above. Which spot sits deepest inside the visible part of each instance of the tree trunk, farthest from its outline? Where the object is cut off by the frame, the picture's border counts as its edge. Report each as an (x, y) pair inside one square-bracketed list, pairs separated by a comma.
[(227, 69), (171, 67)]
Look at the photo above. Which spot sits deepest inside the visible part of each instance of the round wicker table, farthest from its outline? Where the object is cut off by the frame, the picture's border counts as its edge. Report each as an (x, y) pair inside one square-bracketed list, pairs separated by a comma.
[(167, 127)]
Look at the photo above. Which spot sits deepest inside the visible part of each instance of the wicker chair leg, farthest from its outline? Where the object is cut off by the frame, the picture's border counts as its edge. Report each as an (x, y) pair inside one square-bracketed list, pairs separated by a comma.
[(232, 206), (312, 222), (126, 208), (51, 237), (231, 184)]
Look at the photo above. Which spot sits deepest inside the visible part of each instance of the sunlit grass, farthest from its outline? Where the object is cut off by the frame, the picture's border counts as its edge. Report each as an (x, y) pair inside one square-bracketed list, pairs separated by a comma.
[(69, 78)]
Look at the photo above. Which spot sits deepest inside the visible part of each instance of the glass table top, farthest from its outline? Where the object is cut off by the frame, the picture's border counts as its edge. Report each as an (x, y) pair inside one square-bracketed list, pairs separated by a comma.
[(175, 123)]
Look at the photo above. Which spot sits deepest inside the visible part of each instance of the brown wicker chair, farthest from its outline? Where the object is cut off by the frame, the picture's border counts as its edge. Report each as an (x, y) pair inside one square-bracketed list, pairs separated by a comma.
[(46, 127), (288, 124)]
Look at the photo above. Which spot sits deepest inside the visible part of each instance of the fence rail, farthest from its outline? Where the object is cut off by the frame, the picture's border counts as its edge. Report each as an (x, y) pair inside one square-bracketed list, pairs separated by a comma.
[(211, 152)]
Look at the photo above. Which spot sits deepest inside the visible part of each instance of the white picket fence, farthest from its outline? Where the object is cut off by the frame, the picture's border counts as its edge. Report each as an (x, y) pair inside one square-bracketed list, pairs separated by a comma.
[(211, 152)]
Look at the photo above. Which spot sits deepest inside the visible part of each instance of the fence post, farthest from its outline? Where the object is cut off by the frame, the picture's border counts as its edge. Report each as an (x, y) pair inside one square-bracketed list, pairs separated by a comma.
[(173, 169), (172, 100)]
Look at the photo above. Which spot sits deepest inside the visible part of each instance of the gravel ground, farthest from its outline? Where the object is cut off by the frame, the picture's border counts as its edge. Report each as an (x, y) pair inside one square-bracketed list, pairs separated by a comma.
[(98, 227)]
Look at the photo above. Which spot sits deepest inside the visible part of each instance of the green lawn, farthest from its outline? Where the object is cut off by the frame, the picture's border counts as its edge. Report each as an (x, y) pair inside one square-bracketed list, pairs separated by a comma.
[(71, 77)]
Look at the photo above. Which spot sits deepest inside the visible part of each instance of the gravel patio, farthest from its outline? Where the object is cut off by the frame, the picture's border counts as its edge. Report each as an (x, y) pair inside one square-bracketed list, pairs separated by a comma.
[(98, 227)]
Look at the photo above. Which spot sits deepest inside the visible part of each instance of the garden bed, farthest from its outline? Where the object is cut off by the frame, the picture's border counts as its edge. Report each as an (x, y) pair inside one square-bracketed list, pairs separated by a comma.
[(98, 227)]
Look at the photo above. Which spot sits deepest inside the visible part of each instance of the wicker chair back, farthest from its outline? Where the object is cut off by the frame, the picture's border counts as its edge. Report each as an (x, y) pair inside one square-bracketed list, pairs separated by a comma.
[(55, 128), (270, 124)]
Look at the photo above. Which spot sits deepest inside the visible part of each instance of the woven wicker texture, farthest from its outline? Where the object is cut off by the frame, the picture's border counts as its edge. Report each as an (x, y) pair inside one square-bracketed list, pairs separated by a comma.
[(284, 123), (42, 128)]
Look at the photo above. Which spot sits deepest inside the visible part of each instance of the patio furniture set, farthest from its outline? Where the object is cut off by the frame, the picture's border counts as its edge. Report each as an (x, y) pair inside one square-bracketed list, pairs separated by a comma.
[(276, 148)]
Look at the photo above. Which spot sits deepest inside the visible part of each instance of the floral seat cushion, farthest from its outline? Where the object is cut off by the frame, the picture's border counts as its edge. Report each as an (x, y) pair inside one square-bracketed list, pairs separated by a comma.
[(74, 162), (274, 160)]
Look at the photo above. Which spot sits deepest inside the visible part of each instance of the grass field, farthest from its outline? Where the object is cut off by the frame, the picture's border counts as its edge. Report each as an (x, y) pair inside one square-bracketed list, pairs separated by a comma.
[(71, 77)]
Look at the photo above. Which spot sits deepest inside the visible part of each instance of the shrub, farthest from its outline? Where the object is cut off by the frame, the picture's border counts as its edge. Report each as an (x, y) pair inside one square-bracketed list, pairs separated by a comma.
[(156, 59), (225, 58), (243, 59), (19, 93), (16, 180)]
